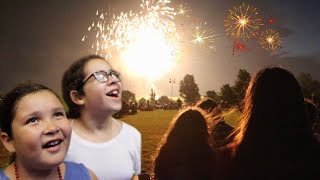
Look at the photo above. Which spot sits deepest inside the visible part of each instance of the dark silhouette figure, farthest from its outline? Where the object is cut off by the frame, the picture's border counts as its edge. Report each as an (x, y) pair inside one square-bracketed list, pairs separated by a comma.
[(274, 140), (184, 152), (311, 109), (220, 131), (313, 117)]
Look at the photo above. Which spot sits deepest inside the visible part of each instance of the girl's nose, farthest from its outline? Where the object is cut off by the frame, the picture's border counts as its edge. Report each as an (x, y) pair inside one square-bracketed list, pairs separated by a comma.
[(113, 80), (51, 128)]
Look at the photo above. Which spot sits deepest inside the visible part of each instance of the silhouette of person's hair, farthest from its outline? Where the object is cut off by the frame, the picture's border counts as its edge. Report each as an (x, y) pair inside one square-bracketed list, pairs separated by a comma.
[(184, 152), (311, 109), (209, 105), (274, 138), (219, 130)]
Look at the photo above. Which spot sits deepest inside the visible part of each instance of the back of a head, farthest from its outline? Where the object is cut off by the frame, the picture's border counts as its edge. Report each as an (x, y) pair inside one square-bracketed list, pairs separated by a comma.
[(185, 147), (273, 132), (207, 104), (274, 104), (189, 127), (210, 107)]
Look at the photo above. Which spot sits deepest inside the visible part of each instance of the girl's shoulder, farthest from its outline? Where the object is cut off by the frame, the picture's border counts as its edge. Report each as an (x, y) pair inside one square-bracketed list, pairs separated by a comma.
[(3, 176), (76, 171)]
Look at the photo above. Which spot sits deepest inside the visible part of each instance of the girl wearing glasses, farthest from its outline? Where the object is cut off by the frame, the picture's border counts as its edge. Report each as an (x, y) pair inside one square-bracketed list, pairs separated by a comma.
[(111, 148)]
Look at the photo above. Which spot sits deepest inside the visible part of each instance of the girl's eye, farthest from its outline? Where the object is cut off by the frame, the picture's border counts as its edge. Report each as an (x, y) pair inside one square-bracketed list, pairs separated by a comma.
[(59, 114), (32, 120)]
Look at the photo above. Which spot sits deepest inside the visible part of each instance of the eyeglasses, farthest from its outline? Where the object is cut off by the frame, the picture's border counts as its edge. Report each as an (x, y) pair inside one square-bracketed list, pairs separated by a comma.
[(101, 76)]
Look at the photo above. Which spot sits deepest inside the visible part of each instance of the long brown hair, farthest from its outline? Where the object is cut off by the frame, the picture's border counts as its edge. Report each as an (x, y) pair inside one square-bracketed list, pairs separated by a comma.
[(185, 145), (273, 135)]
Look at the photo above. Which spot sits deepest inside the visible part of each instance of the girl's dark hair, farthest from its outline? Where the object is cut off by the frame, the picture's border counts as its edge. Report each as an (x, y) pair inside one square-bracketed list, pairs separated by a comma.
[(207, 104), (273, 107), (274, 134), (186, 146), (72, 80), (10, 100)]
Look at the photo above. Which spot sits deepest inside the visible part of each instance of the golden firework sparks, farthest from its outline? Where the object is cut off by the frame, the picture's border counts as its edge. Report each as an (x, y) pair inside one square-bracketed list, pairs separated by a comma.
[(146, 41), (270, 40), (204, 37), (243, 22), (183, 10)]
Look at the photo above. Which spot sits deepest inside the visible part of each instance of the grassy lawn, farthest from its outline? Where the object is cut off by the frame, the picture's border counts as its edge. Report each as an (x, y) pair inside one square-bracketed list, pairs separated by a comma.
[(153, 124)]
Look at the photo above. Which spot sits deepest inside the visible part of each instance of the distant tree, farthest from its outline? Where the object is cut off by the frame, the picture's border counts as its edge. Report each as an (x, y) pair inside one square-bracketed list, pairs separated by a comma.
[(164, 100), (128, 96), (227, 95), (213, 95), (189, 90), (152, 98), (241, 84), (142, 104)]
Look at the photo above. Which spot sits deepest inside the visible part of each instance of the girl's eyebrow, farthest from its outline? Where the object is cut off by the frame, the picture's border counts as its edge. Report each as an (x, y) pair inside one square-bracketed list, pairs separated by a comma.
[(58, 109)]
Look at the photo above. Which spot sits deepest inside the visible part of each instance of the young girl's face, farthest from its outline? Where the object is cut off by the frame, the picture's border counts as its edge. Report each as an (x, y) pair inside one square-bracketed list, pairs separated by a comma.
[(101, 96), (41, 132)]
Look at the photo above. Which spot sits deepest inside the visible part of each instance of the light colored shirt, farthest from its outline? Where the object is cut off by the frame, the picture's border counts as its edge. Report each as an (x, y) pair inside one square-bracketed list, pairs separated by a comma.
[(116, 159)]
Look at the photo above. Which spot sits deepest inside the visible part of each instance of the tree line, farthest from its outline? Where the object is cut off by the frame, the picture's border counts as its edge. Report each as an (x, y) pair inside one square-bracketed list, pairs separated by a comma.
[(228, 96)]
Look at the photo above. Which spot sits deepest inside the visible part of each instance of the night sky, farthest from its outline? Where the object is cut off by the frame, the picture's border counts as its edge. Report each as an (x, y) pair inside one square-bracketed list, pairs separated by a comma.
[(40, 39)]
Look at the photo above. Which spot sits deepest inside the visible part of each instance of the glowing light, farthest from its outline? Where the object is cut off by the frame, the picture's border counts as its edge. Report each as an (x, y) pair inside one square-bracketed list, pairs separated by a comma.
[(150, 55), (270, 40), (243, 22), (146, 41)]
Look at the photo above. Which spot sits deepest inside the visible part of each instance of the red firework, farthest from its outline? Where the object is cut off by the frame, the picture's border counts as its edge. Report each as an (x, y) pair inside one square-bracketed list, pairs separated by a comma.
[(271, 20)]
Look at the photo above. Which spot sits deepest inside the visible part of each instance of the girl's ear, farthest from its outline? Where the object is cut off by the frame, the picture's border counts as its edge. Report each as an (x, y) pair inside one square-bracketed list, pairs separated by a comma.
[(76, 97), (7, 142)]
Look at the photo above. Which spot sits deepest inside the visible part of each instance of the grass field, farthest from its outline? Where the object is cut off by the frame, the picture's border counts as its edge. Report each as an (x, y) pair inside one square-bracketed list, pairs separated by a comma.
[(153, 124)]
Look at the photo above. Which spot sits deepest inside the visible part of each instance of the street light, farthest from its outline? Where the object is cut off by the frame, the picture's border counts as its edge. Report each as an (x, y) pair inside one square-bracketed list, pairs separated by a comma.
[(172, 81)]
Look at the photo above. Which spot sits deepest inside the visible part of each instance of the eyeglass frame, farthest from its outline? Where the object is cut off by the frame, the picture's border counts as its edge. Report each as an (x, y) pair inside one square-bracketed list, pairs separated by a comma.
[(111, 73)]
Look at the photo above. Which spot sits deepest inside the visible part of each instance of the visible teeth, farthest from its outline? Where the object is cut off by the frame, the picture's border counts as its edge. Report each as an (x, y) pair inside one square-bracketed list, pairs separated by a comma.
[(53, 143), (115, 92)]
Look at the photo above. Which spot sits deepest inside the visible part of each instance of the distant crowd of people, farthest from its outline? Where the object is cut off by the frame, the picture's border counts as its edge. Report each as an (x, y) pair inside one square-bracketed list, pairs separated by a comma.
[(277, 137)]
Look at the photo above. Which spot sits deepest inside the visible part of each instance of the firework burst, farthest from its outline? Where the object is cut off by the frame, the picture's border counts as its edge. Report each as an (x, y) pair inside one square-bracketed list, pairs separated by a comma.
[(270, 40), (204, 37), (243, 22), (144, 41), (119, 31), (183, 10)]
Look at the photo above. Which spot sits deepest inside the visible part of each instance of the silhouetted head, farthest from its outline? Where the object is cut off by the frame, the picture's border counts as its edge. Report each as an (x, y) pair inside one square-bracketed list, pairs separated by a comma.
[(273, 109), (274, 135), (185, 145), (209, 105), (189, 127)]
